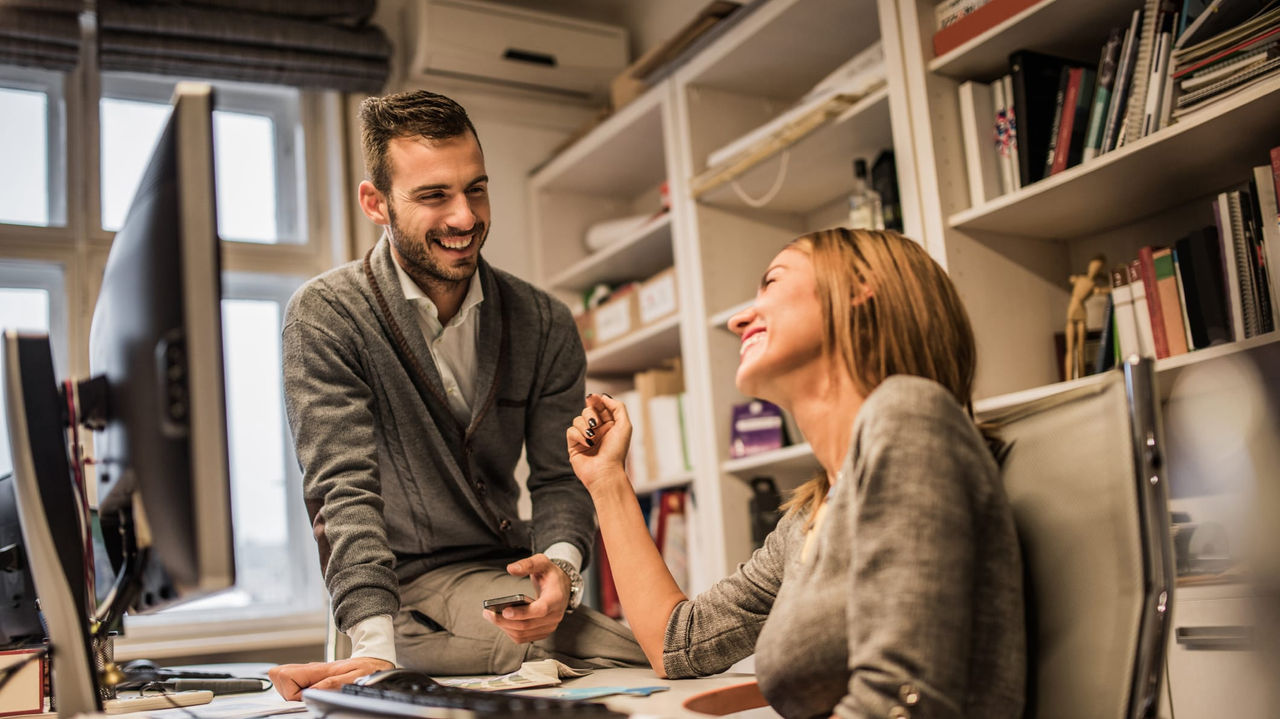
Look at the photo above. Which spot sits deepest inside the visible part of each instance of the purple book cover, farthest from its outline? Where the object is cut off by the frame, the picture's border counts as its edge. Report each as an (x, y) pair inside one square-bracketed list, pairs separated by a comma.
[(757, 427)]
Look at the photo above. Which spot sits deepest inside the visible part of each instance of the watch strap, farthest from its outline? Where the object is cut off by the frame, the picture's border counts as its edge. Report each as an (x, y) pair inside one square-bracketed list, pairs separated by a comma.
[(575, 583)]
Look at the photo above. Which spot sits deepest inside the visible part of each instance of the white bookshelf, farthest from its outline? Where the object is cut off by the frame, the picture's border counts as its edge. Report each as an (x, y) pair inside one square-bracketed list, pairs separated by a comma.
[(1039, 27), (746, 77), (640, 350), (642, 253), (720, 320), (791, 465), (679, 481), (818, 167), (1207, 150)]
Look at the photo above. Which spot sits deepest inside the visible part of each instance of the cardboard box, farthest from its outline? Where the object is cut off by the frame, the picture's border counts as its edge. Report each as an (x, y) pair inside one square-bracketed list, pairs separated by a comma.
[(658, 297), (616, 318), (586, 329), (23, 693)]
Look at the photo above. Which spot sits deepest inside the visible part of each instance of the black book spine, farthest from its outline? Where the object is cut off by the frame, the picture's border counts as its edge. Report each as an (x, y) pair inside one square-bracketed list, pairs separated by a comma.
[(1206, 256), (1064, 80), (1188, 271), (1084, 101)]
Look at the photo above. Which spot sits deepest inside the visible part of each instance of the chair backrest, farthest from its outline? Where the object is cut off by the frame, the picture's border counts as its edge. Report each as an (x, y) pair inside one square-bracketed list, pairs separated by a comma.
[(1091, 509)]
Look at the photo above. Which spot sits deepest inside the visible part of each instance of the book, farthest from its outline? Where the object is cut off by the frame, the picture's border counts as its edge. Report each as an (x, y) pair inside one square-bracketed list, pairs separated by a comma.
[(977, 22), (1147, 39), (1002, 137), (1106, 357), (609, 603), (660, 381), (1035, 78), (1182, 300), (981, 154), (1175, 333), (1011, 144), (671, 535), (1107, 65), (1152, 112), (1141, 311), (1269, 226), (1126, 328), (1275, 171), (1235, 262), (1216, 17), (1080, 119), (947, 12), (1124, 79), (1200, 259), (1254, 243), (1064, 104), (1155, 305), (666, 427)]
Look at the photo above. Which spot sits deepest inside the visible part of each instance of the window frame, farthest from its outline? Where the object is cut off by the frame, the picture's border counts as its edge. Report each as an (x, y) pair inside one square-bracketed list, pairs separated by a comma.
[(290, 171), (52, 85)]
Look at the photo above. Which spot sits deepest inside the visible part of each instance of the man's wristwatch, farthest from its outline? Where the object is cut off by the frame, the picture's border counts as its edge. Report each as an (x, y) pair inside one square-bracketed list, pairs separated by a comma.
[(575, 584)]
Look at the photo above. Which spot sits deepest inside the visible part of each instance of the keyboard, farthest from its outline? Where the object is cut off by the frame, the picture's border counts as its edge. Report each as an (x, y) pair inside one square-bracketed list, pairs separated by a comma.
[(442, 702)]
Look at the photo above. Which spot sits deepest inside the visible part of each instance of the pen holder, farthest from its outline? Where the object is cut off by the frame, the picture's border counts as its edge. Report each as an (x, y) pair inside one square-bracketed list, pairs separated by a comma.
[(104, 665)]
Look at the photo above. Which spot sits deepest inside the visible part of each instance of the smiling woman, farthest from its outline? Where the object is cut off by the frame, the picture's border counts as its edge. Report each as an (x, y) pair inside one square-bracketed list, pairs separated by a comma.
[(861, 336)]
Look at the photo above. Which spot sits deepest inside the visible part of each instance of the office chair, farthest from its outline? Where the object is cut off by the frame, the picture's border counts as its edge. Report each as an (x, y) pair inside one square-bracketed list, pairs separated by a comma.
[(1083, 476)]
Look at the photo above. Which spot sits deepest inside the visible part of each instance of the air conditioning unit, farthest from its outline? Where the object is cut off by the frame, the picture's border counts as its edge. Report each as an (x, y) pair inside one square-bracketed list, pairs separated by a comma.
[(487, 42)]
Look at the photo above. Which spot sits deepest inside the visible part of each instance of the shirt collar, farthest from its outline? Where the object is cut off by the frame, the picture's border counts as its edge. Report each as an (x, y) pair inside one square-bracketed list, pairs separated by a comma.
[(414, 294)]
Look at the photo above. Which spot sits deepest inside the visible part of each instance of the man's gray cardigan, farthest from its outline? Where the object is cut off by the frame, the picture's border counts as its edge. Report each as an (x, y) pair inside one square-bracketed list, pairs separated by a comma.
[(394, 485)]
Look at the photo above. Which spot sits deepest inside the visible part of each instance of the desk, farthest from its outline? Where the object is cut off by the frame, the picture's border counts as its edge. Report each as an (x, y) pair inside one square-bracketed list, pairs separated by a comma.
[(667, 704)]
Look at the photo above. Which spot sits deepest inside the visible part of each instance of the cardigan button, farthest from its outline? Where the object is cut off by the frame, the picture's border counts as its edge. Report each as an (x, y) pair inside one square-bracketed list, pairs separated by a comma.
[(504, 525), (909, 694), (899, 712), (480, 487)]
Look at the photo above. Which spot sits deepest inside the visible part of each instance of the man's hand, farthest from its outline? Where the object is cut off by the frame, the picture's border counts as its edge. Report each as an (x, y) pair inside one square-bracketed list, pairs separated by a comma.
[(291, 679), (539, 619)]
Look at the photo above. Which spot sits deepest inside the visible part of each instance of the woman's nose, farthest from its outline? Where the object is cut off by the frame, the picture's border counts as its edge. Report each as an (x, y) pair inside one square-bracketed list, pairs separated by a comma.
[(739, 321)]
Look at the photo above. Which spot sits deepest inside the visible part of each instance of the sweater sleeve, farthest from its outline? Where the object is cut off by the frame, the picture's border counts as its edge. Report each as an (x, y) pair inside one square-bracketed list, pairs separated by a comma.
[(708, 634), (329, 405), (913, 554), (562, 508)]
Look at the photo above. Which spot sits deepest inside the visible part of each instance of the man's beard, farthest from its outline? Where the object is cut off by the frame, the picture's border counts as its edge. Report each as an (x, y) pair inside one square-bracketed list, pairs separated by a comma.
[(421, 265)]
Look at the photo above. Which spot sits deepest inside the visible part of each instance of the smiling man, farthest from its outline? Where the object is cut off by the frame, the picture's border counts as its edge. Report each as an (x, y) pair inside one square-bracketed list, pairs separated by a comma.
[(413, 379)]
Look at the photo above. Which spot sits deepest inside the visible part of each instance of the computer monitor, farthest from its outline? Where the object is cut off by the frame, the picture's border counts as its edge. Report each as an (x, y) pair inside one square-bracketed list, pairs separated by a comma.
[(156, 338), (157, 401)]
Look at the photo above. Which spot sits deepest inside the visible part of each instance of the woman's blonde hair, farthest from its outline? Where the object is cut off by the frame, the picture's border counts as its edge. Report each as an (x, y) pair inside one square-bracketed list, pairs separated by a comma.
[(887, 309)]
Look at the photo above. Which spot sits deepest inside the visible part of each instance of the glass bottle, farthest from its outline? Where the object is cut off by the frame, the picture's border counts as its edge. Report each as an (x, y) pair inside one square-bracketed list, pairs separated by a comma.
[(866, 212)]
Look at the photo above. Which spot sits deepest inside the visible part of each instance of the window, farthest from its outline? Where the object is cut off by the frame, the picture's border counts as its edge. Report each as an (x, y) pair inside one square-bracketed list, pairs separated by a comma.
[(31, 299), (259, 183), (275, 562), (54, 243), (32, 143)]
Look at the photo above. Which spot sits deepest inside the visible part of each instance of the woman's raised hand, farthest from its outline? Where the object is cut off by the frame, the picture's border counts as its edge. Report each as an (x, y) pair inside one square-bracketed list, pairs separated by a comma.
[(598, 440)]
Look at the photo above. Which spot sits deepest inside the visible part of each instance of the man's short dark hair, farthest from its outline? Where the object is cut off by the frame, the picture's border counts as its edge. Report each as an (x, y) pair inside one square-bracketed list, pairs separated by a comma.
[(417, 113)]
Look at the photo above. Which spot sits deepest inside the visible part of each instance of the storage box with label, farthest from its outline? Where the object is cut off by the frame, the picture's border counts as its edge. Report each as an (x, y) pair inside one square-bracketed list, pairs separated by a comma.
[(658, 297)]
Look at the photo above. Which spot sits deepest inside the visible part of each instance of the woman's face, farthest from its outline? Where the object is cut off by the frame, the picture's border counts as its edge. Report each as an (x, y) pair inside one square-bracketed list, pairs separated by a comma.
[(782, 331)]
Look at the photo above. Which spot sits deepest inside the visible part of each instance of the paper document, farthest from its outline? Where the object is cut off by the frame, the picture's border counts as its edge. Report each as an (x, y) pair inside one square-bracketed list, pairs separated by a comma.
[(544, 673)]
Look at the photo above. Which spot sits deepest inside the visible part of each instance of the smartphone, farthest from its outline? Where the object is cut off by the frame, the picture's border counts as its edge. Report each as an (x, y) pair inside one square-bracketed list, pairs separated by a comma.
[(497, 604)]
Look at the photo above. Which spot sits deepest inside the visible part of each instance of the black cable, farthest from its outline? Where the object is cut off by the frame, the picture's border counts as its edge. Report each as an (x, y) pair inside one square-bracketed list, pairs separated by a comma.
[(163, 691)]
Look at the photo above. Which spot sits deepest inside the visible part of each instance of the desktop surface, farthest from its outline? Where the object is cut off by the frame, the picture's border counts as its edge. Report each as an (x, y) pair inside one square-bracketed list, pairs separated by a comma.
[(667, 703)]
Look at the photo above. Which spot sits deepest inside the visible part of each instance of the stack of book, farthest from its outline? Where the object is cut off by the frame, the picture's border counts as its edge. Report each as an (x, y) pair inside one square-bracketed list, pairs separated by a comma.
[(1214, 285), (659, 443), (670, 515), (1050, 113), (1227, 62)]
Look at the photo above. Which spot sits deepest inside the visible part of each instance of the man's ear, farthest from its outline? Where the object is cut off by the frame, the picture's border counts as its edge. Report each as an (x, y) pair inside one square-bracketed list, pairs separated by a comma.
[(373, 203)]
